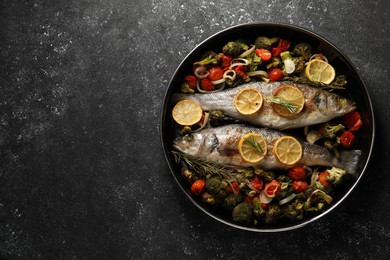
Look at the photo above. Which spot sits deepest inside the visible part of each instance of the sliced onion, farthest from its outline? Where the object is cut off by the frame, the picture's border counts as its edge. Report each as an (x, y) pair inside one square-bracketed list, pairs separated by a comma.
[(314, 177), (219, 81), (205, 121), (264, 199), (201, 72), (287, 199), (257, 73), (218, 88), (253, 188), (237, 62), (247, 52), (289, 66), (226, 74)]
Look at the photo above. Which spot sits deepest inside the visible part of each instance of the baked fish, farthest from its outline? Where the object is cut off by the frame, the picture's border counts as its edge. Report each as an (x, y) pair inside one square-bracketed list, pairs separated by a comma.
[(320, 105), (219, 145)]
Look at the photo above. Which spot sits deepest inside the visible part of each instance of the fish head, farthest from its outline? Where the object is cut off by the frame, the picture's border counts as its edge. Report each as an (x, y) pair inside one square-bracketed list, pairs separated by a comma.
[(333, 105), (196, 144)]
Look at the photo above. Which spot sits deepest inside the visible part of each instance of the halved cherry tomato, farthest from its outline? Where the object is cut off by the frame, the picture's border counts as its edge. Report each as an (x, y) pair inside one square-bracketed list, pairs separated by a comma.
[(264, 54), (272, 188), (191, 81), (275, 74), (352, 120), (216, 73), (284, 45), (276, 51), (225, 60), (233, 187), (322, 179), (299, 186), (198, 187), (206, 85), (347, 139), (297, 173), (257, 182)]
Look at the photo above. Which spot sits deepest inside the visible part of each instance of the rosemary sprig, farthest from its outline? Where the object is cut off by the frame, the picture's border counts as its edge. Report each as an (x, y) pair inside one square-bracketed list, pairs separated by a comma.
[(338, 83), (252, 142), (284, 103)]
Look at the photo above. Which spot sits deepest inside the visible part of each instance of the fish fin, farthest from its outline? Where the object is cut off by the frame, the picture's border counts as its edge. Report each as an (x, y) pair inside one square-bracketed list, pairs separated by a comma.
[(349, 160)]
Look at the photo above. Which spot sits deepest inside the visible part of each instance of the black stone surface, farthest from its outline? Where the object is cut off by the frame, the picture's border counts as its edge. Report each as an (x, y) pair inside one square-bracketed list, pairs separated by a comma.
[(82, 173)]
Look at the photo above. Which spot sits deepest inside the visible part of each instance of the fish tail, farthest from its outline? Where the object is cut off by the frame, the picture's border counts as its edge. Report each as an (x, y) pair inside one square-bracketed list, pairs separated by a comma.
[(348, 160)]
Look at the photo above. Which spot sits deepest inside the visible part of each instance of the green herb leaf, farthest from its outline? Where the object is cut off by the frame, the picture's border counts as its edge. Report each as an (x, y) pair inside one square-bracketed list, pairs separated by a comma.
[(284, 103), (252, 142)]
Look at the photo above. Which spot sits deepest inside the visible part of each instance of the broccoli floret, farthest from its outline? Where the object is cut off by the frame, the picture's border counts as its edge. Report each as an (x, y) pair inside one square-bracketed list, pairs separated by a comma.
[(209, 57), (254, 61), (242, 213), (274, 63), (263, 42), (331, 130), (258, 209), (189, 175), (185, 88), (303, 50), (317, 201), (216, 117), (266, 176), (234, 48), (299, 64), (336, 175), (232, 200), (217, 188), (273, 214), (293, 211)]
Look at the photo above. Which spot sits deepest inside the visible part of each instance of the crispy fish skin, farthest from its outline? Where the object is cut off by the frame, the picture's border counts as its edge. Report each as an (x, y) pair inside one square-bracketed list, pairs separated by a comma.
[(219, 145), (320, 105)]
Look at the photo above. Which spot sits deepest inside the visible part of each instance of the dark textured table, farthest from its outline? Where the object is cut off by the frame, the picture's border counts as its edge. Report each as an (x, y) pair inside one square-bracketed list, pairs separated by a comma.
[(82, 173)]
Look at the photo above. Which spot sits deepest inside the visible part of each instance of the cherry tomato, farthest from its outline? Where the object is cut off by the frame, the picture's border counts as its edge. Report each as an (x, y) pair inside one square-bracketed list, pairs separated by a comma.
[(322, 179), (233, 187), (264, 54), (257, 182), (216, 73), (272, 188), (191, 80), (275, 74), (225, 60), (198, 187), (284, 45), (347, 139), (352, 120), (297, 173), (276, 51), (299, 186), (206, 85)]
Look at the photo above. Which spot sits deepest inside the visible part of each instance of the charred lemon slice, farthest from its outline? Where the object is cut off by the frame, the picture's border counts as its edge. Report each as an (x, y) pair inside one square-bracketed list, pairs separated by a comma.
[(187, 113), (248, 101), (287, 150), (287, 101), (320, 71), (252, 147)]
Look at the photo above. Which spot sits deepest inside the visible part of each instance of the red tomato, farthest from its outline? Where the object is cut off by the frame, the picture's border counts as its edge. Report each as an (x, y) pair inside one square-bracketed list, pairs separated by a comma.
[(206, 85), (284, 45), (322, 179), (275, 74), (257, 182), (191, 81), (198, 187), (352, 120), (225, 60), (264, 54), (272, 188), (300, 186), (347, 139), (234, 187), (216, 73), (297, 173), (276, 51)]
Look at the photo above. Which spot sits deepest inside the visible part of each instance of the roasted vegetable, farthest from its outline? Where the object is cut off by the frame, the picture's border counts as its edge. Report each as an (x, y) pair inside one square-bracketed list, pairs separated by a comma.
[(242, 213), (258, 209), (265, 42), (303, 50), (209, 58), (234, 48), (294, 210), (336, 175), (317, 201), (185, 88), (216, 117), (232, 200), (331, 130), (274, 63), (273, 214), (266, 176), (254, 62), (299, 64), (189, 175), (217, 188)]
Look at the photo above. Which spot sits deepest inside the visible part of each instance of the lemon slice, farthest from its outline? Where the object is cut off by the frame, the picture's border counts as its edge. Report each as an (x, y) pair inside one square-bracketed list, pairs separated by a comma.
[(248, 101), (252, 147), (320, 71), (288, 101), (187, 112), (288, 150)]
